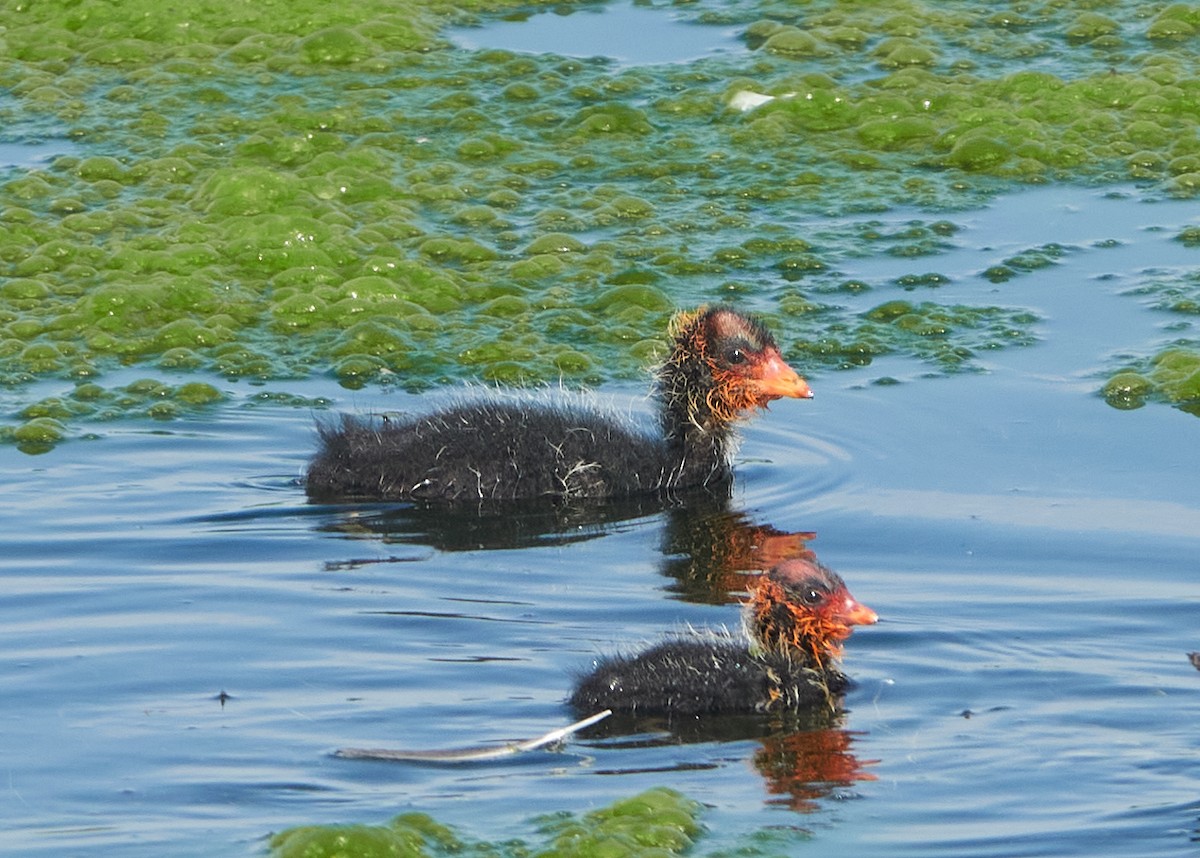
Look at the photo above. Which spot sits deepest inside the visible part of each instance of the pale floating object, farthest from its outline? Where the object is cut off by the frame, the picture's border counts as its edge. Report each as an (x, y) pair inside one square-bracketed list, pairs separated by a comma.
[(747, 99), (471, 755)]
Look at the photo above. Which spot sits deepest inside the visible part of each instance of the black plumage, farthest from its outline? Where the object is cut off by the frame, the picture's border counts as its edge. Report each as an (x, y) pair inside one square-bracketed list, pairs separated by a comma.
[(696, 676), (722, 365), (797, 617)]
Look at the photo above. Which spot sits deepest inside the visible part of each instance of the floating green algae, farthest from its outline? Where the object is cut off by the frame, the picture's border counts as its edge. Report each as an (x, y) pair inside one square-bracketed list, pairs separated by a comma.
[(655, 824), (45, 420), (1172, 375), (1127, 390), (1022, 263), (1175, 373), (949, 337), (1176, 292), (410, 834), (268, 192)]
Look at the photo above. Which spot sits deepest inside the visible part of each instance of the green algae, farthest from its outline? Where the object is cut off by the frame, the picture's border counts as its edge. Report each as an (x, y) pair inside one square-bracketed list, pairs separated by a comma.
[(1024, 262), (271, 193), (657, 823), (1176, 293), (37, 435), (1175, 373), (47, 419), (930, 280), (795, 43), (1189, 236), (1127, 390), (1172, 376), (950, 338)]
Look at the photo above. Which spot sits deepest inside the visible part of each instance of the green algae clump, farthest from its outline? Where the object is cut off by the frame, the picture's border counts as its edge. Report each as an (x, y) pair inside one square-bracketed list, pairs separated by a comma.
[(1091, 25), (947, 336), (1175, 374), (38, 435), (978, 152), (410, 835), (336, 46), (658, 823), (247, 191), (795, 43), (1127, 390), (1172, 375), (221, 184), (556, 243), (196, 393)]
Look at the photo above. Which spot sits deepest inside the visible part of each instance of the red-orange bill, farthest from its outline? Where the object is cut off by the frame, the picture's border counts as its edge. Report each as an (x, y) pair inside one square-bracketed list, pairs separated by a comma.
[(778, 380)]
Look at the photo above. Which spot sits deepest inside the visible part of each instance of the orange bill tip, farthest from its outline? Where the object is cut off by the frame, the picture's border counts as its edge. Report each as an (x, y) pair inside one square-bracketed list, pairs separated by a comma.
[(778, 380), (856, 614)]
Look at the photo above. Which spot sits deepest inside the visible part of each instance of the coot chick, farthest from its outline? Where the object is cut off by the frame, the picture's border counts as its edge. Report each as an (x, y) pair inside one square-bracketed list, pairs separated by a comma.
[(797, 617), (722, 365)]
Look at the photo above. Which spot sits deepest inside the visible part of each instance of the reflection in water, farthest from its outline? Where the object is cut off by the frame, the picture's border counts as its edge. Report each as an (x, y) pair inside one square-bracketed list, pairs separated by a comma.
[(802, 766), (500, 525), (803, 757), (707, 548)]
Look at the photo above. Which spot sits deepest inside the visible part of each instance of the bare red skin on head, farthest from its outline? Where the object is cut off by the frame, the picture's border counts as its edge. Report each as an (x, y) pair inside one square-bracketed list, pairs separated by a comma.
[(783, 619), (747, 368)]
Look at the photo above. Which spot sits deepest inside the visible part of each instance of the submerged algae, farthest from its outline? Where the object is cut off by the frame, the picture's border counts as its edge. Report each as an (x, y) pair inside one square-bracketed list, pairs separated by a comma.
[(267, 195)]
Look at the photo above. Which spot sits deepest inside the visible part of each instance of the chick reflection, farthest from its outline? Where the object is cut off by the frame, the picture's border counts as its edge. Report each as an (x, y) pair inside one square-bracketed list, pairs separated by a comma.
[(796, 619), (802, 757), (707, 546), (491, 526), (802, 766)]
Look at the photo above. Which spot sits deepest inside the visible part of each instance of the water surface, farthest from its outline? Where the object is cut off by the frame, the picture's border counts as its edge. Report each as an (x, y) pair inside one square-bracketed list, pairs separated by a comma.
[(1031, 551), (184, 640), (626, 33)]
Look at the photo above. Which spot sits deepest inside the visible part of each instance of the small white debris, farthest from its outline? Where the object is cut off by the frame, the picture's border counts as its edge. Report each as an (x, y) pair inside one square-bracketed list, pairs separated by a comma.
[(745, 99)]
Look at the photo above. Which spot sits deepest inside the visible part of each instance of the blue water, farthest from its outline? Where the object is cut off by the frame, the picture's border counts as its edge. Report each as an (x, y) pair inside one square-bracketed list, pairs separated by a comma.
[(1032, 553), (184, 641), (626, 34), (30, 154)]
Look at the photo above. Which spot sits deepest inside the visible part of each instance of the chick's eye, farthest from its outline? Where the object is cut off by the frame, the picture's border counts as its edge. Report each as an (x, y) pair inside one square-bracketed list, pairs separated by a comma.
[(736, 356), (813, 596)]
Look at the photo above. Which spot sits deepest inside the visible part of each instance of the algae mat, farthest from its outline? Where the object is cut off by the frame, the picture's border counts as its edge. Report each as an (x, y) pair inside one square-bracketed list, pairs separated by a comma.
[(277, 191)]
